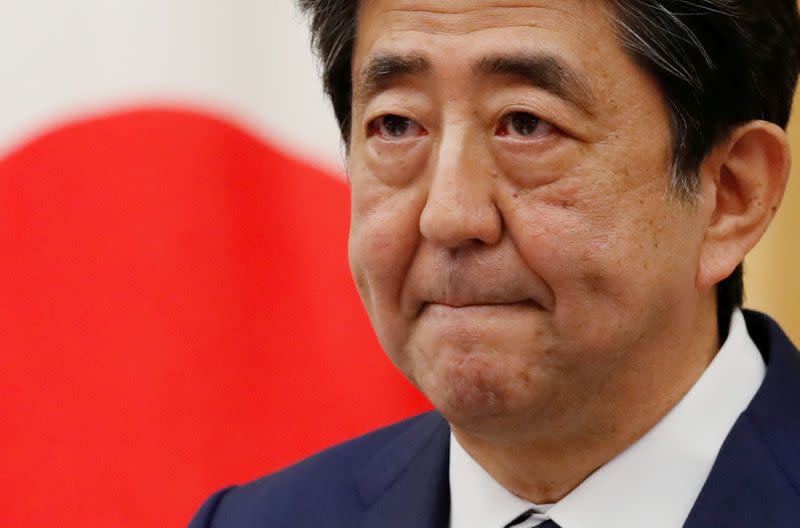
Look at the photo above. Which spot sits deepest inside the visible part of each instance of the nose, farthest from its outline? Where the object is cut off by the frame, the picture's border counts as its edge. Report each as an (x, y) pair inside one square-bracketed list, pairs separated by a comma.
[(460, 207)]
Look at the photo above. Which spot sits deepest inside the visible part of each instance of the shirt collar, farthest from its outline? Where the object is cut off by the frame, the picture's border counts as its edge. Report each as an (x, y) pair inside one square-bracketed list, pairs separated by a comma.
[(476, 499), (656, 480)]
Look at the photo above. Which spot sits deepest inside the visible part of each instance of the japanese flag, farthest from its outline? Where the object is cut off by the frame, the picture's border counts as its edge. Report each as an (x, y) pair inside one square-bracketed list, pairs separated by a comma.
[(176, 310)]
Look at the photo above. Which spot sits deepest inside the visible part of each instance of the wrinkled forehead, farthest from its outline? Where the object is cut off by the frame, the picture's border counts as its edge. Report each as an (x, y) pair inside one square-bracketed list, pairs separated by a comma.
[(387, 19), (475, 13), (455, 36)]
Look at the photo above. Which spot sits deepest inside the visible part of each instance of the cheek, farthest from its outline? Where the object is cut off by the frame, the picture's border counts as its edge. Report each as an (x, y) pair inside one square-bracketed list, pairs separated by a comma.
[(384, 233), (561, 229), (601, 249)]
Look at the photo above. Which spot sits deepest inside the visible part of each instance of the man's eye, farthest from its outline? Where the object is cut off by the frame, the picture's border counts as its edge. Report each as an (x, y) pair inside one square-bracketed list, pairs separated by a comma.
[(522, 125), (395, 127)]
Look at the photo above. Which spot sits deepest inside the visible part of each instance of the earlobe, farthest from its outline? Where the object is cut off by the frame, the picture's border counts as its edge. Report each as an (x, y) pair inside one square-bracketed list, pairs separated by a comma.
[(743, 181)]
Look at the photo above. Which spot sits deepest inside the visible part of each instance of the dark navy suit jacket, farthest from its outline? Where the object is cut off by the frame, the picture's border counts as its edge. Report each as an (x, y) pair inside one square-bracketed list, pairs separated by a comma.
[(398, 476)]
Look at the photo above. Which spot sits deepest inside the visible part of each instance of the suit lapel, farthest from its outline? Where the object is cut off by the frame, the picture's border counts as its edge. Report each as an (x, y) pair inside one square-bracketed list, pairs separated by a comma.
[(407, 483), (755, 480)]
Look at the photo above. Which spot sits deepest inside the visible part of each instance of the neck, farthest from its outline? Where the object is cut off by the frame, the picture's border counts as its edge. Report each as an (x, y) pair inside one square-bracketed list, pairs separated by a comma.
[(542, 468)]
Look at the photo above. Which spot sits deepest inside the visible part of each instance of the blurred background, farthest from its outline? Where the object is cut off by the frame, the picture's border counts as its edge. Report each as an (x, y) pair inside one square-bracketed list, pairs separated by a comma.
[(176, 311)]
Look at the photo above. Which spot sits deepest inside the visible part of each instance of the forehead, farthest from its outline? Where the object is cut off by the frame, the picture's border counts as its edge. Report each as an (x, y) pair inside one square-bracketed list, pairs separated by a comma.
[(464, 15), (577, 26), (453, 35)]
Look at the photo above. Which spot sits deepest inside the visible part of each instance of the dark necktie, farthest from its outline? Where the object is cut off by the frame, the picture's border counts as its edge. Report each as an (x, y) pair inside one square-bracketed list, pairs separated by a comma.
[(527, 515)]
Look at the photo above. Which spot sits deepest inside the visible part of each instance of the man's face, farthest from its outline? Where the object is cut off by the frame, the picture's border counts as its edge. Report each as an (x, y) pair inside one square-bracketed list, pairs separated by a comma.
[(512, 235)]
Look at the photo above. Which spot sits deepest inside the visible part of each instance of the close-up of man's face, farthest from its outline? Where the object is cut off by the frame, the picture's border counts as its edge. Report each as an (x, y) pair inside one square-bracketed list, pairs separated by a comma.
[(552, 203), (514, 236)]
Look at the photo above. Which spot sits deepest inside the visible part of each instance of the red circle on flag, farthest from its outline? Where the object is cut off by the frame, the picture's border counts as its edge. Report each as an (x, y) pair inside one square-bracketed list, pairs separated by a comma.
[(176, 314)]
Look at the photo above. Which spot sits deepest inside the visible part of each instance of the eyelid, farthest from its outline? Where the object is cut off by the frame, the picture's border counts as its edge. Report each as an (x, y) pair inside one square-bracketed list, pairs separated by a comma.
[(505, 120), (563, 116), (374, 124)]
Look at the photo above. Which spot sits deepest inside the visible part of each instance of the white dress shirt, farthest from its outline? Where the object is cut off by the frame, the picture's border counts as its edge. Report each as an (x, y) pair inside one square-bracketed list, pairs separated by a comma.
[(655, 481)]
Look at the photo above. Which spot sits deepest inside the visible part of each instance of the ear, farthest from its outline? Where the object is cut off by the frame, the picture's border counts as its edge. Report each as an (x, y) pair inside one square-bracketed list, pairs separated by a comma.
[(742, 184)]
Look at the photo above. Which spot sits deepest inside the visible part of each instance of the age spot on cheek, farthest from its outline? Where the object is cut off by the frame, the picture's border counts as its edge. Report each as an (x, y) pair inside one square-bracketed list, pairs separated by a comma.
[(595, 282), (567, 203)]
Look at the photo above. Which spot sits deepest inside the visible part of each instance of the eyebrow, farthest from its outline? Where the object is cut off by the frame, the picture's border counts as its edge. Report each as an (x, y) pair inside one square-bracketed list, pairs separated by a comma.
[(542, 70), (382, 70)]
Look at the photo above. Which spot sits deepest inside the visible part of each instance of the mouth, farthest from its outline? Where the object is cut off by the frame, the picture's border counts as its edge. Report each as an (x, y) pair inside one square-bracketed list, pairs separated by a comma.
[(477, 305)]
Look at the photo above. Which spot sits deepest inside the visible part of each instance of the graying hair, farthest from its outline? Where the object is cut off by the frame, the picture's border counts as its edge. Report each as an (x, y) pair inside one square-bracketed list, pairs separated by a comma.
[(670, 45), (701, 51)]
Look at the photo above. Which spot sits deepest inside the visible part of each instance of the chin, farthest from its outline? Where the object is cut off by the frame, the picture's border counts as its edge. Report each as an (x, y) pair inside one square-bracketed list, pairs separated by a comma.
[(475, 390), (486, 416)]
